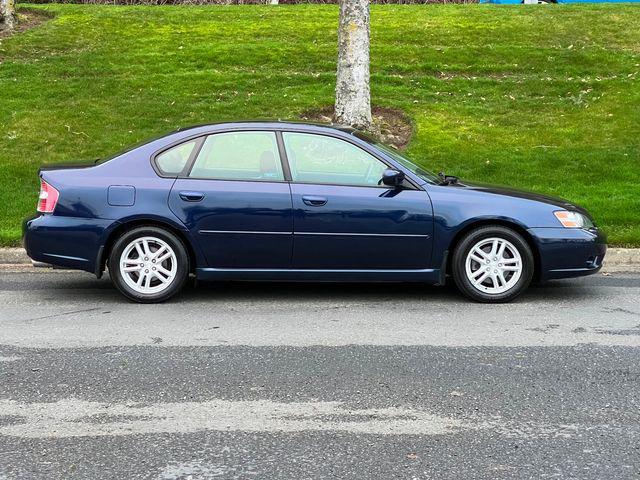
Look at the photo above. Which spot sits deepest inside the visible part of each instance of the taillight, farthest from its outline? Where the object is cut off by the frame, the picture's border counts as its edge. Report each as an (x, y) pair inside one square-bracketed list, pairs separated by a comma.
[(48, 198)]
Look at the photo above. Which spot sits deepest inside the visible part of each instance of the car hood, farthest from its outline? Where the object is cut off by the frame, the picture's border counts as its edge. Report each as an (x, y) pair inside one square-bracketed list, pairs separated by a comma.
[(512, 192)]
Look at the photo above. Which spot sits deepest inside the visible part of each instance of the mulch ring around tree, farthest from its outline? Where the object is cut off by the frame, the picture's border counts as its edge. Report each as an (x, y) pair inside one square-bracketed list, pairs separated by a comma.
[(26, 19), (391, 125)]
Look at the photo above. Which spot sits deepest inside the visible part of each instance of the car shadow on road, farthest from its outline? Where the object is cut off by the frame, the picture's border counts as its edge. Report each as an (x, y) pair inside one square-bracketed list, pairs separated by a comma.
[(280, 291), (70, 284)]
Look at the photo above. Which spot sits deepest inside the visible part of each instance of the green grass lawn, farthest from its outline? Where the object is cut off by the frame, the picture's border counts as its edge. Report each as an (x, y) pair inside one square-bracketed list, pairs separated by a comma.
[(541, 97)]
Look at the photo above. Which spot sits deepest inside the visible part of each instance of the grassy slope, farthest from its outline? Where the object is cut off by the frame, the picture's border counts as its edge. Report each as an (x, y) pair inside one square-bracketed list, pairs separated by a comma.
[(544, 98)]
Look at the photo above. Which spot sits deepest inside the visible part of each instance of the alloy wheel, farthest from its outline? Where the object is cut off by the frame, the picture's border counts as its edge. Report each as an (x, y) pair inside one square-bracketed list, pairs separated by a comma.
[(493, 265), (148, 265)]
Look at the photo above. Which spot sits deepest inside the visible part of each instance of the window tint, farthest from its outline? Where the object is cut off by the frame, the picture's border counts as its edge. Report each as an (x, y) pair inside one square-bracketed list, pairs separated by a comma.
[(239, 156), (172, 161), (322, 159)]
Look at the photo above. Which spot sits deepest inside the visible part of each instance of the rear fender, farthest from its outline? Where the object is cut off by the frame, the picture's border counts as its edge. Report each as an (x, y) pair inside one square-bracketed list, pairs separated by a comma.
[(125, 224)]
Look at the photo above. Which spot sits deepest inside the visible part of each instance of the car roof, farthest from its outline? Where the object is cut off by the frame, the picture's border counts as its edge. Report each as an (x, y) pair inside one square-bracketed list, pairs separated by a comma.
[(276, 124), (183, 134)]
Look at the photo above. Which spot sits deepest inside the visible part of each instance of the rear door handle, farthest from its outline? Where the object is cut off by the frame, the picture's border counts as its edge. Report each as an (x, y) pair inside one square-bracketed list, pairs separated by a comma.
[(314, 201), (191, 196)]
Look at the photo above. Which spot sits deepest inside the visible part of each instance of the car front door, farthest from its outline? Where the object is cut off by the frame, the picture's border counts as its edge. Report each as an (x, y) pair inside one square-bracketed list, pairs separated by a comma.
[(236, 202), (343, 219)]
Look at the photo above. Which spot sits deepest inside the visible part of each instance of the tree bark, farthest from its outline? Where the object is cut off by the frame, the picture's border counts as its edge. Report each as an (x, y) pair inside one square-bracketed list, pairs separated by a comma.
[(7, 15), (353, 98)]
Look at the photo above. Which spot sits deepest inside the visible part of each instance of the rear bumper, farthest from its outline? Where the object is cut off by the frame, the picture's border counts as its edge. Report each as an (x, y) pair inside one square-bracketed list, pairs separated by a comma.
[(569, 252), (66, 242)]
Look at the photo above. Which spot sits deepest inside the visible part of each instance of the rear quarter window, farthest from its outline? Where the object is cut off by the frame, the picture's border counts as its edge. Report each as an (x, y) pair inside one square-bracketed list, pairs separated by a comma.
[(173, 161)]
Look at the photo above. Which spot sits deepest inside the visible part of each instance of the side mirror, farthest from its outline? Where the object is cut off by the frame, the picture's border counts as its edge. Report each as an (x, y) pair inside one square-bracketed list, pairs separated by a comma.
[(392, 178)]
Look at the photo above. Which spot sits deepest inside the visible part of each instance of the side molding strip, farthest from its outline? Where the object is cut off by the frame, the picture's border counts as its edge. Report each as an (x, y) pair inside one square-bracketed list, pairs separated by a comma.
[(334, 234), (248, 232), (340, 234)]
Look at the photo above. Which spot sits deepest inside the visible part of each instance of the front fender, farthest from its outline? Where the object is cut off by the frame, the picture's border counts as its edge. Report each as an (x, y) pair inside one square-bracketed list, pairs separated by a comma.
[(457, 209)]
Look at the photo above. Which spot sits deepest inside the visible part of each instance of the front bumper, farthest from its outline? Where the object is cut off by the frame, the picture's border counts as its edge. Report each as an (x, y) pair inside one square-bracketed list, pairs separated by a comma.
[(569, 252), (66, 242)]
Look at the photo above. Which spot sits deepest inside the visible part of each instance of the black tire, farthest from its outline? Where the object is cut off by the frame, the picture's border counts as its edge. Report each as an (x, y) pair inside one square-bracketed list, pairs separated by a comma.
[(182, 264), (469, 241)]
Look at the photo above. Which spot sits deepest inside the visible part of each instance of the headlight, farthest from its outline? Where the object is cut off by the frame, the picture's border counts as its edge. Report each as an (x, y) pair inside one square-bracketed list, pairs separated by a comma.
[(573, 219)]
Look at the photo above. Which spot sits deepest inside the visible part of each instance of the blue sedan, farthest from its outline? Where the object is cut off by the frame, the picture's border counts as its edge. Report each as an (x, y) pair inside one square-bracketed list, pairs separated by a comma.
[(298, 202)]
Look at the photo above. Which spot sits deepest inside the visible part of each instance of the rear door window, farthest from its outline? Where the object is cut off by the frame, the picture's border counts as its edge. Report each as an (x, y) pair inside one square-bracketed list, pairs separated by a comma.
[(250, 156)]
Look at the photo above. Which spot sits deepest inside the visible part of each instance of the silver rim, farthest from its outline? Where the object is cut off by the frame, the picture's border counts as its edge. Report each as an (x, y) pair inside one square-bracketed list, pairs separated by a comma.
[(148, 265), (493, 265)]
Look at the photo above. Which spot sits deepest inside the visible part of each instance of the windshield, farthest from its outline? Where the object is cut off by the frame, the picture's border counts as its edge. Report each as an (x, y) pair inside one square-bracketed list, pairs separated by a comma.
[(405, 162)]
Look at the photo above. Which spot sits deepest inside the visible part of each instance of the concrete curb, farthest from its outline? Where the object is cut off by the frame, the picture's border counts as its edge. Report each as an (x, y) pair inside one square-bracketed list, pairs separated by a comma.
[(13, 256), (617, 259), (622, 260)]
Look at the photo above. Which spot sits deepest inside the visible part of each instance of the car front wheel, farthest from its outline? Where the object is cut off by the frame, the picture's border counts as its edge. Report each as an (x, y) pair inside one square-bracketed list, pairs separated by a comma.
[(148, 264), (492, 264)]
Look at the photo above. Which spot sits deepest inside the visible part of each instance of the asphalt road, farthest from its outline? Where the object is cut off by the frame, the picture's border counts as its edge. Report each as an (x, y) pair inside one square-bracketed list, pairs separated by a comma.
[(272, 381)]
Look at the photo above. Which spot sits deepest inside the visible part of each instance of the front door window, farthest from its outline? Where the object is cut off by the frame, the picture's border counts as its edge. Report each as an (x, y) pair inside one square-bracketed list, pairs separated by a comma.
[(321, 159)]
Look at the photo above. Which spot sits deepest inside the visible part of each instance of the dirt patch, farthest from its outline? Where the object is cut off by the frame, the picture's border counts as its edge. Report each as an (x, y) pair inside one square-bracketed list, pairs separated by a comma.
[(391, 125), (26, 19)]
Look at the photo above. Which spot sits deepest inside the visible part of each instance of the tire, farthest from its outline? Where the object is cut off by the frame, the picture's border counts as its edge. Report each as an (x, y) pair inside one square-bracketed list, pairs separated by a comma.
[(141, 276), (492, 264)]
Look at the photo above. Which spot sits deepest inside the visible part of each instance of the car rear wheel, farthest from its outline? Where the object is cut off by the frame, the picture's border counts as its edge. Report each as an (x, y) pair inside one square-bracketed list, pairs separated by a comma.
[(493, 264), (148, 264)]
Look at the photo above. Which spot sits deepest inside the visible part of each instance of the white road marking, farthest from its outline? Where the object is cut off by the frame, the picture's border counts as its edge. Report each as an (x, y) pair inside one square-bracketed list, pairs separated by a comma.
[(9, 359), (76, 418), (203, 470), (73, 417)]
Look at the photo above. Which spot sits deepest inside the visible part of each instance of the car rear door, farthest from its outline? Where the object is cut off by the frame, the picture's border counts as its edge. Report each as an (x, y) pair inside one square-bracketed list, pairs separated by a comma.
[(343, 219), (234, 199)]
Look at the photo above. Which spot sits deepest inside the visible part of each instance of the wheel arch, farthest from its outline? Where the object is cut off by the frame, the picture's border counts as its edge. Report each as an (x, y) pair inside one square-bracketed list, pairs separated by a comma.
[(127, 225), (486, 222)]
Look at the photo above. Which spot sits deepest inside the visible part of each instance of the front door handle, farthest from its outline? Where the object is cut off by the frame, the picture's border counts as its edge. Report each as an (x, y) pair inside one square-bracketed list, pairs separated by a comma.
[(314, 201), (191, 196)]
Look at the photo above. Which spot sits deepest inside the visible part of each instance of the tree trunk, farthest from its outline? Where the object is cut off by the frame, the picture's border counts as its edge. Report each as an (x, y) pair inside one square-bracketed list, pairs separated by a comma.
[(7, 14), (353, 102)]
